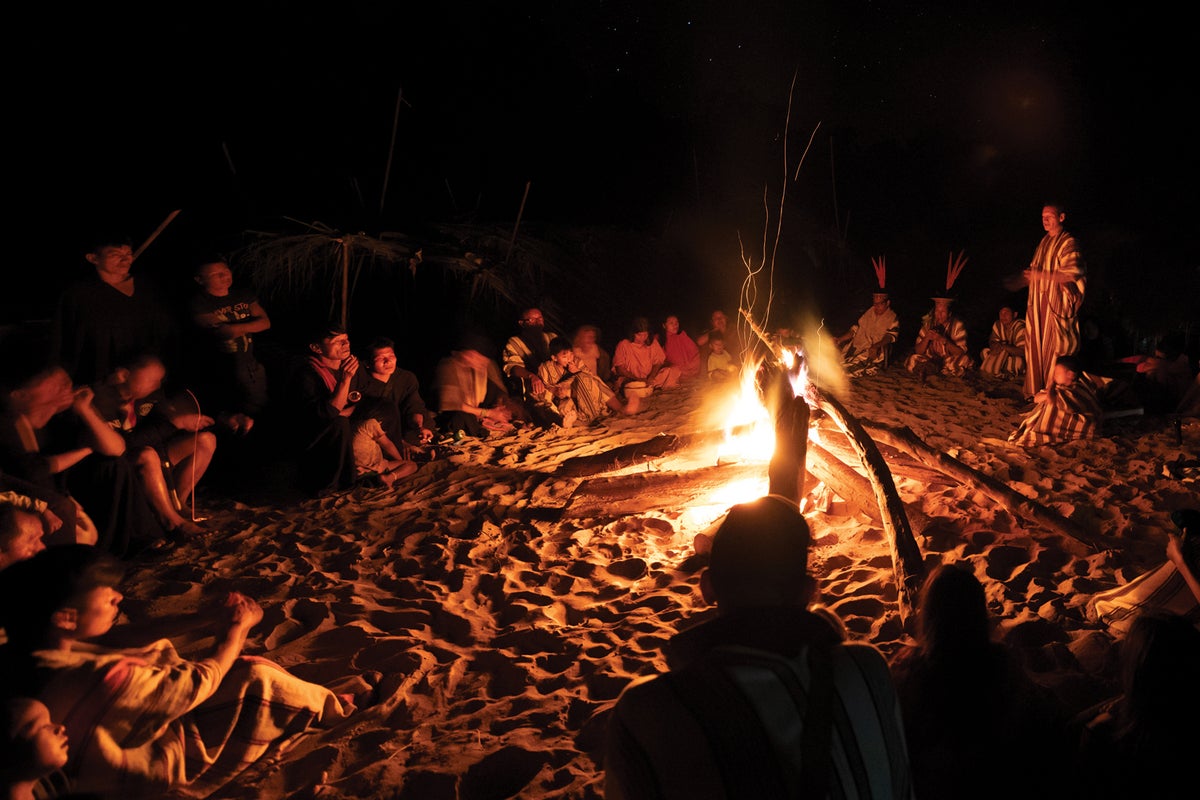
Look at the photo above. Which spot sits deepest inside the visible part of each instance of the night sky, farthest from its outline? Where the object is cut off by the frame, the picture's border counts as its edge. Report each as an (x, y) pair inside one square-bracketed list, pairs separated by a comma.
[(937, 129)]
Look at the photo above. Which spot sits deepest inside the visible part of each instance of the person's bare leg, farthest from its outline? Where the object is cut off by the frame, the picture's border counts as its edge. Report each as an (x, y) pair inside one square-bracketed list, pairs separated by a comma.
[(397, 470), (154, 483), (632, 404), (191, 455)]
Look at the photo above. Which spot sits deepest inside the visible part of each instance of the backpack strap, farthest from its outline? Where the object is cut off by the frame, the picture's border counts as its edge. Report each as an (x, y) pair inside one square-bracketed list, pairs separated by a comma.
[(747, 757)]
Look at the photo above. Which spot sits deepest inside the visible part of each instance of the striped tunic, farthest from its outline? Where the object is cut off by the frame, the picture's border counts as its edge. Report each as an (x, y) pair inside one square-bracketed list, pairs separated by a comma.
[(996, 360), (586, 394), (1052, 315), (1067, 412), (936, 354)]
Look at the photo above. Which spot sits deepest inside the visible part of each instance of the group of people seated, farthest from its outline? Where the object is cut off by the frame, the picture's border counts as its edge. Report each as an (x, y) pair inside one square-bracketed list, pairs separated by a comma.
[(1071, 403), (99, 468), (119, 412), (941, 345)]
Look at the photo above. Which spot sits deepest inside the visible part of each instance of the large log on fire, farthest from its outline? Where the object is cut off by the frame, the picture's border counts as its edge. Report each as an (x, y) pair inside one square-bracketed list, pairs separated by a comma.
[(774, 384), (905, 440), (907, 562)]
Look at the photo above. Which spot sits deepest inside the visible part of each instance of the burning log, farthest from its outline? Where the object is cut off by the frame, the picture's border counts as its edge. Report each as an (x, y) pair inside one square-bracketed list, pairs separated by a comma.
[(907, 561), (618, 457), (616, 496), (903, 439)]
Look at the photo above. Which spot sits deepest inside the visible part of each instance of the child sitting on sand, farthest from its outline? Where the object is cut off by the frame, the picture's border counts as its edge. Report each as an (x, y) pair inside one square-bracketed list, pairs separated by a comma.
[(145, 721), (720, 365), (375, 454)]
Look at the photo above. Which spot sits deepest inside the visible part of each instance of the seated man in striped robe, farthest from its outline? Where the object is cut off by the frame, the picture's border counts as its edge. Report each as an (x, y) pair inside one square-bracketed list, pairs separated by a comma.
[(1004, 357), (941, 343), (765, 699), (1069, 408)]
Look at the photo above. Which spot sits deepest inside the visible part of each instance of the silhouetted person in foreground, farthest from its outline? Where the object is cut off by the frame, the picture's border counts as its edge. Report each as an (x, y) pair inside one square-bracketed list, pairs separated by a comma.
[(1143, 742), (766, 699), (971, 714)]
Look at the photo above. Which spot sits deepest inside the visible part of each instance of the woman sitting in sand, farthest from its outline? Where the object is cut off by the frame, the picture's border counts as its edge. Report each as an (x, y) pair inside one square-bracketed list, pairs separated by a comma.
[(681, 351), (144, 721), (641, 358)]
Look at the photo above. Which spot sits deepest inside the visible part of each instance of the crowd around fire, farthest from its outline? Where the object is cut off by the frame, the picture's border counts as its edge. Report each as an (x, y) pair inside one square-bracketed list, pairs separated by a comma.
[(111, 421)]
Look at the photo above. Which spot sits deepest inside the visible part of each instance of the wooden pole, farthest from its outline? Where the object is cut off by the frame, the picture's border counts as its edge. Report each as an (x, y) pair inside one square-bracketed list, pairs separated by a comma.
[(387, 170), (345, 281), (157, 231), (520, 213)]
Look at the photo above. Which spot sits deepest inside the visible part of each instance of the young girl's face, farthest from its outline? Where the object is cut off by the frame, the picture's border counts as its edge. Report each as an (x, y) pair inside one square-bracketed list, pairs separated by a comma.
[(672, 325), (44, 740)]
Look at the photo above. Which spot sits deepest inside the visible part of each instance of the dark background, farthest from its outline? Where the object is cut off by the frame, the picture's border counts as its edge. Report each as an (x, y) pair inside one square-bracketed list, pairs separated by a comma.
[(657, 140)]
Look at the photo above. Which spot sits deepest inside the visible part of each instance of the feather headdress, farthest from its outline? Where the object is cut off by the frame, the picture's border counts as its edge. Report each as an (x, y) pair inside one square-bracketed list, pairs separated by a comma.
[(954, 267), (880, 265)]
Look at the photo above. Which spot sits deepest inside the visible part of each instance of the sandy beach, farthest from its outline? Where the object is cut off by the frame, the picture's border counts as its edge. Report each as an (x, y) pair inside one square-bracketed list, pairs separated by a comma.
[(502, 597)]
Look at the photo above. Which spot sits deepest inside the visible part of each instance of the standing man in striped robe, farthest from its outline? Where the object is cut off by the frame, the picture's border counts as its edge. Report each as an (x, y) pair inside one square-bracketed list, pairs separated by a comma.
[(1056, 283)]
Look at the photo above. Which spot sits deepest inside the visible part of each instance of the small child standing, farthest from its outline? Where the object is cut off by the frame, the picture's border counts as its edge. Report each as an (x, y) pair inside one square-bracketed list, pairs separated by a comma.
[(228, 318)]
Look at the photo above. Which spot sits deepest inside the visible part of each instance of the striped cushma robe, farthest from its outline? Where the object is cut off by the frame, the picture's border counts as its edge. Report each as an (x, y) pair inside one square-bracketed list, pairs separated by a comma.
[(1067, 412), (1052, 316), (935, 357), (588, 396), (998, 361)]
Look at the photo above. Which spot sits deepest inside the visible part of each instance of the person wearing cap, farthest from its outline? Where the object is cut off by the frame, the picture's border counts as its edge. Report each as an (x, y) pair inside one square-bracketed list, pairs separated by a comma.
[(941, 343), (1004, 357), (867, 345), (766, 698)]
